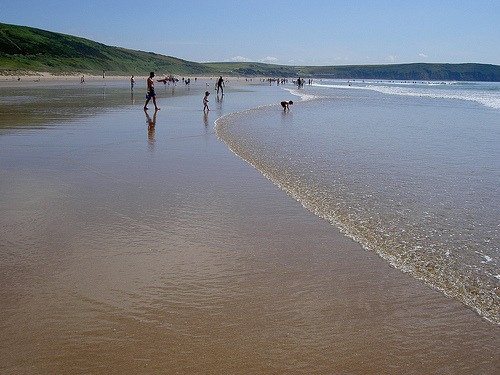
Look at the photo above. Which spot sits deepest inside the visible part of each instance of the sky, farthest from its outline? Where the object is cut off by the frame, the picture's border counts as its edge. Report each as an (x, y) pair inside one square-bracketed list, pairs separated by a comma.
[(291, 32)]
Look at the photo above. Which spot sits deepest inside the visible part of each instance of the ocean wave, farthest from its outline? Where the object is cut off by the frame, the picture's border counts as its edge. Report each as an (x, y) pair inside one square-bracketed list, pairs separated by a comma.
[(487, 99), (488, 96), (304, 96)]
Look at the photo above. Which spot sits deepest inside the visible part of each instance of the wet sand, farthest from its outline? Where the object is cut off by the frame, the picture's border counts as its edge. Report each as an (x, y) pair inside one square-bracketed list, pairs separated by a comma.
[(133, 250)]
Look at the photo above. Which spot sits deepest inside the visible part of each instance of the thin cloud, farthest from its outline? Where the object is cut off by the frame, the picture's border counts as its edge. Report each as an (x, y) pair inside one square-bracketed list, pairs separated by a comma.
[(423, 55), (269, 59), (240, 59)]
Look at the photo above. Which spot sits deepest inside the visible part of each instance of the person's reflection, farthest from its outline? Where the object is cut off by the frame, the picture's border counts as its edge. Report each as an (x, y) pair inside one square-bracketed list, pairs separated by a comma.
[(132, 97), (286, 118), (205, 119), (151, 128)]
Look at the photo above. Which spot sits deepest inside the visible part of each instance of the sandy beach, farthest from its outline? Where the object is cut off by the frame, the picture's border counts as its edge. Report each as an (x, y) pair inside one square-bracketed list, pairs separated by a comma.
[(132, 248), (48, 79), (37, 79)]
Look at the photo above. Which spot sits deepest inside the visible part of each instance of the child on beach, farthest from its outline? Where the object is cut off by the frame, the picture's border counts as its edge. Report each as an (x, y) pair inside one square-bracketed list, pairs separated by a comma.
[(151, 91), (286, 104), (205, 102)]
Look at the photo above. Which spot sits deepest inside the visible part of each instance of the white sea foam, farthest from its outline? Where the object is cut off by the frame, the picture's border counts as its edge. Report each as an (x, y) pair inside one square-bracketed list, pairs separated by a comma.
[(488, 96), (304, 96)]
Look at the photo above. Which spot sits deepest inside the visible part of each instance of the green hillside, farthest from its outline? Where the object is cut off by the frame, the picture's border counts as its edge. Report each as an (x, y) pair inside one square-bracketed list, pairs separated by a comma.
[(25, 49)]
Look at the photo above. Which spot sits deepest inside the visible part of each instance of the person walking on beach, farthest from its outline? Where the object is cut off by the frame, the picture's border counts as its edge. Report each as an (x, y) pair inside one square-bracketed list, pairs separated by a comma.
[(132, 83), (220, 85), (205, 102), (286, 104), (151, 91)]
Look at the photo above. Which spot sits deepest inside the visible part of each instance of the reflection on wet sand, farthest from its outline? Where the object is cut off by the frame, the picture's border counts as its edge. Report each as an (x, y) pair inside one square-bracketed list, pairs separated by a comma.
[(205, 118), (48, 105), (151, 128)]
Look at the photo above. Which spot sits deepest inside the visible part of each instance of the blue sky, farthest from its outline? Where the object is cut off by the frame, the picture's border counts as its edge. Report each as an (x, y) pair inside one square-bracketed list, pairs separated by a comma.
[(312, 32)]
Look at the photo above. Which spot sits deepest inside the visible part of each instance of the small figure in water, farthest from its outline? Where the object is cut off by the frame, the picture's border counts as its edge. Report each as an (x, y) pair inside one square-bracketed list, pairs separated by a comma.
[(205, 102), (286, 104), (220, 85)]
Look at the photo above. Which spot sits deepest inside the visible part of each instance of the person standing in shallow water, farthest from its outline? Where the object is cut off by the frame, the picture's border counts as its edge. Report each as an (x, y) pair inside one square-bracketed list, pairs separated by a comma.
[(220, 85), (205, 102), (150, 94)]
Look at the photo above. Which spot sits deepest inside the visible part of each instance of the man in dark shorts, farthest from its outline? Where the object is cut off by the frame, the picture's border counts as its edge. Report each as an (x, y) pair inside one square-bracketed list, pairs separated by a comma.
[(151, 91)]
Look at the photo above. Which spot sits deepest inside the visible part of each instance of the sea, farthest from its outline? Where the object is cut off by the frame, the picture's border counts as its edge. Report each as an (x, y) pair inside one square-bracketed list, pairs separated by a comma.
[(410, 170)]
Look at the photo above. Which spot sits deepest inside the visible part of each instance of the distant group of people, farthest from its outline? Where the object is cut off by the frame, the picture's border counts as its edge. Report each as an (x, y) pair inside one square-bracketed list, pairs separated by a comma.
[(151, 94), (219, 86)]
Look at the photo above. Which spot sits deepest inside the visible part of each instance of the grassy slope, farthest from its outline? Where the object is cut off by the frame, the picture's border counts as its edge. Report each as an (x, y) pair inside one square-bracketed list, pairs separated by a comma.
[(25, 49), (28, 49)]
